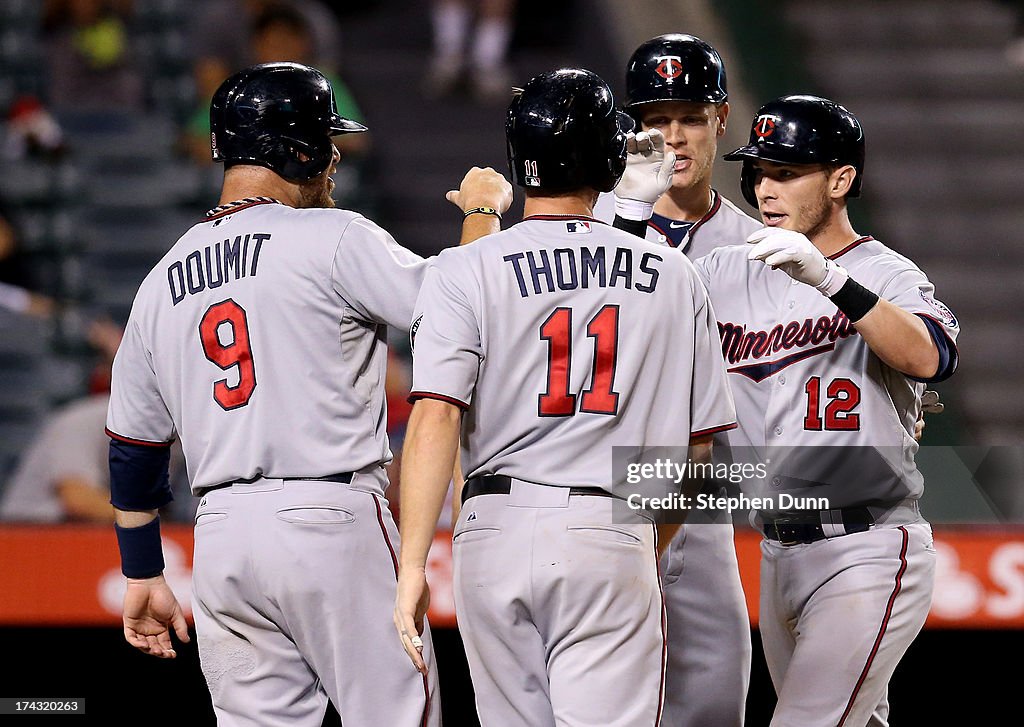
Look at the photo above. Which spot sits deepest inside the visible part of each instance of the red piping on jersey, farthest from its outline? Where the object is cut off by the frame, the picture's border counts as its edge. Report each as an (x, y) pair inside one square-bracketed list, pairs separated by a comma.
[(140, 442), (866, 238), (563, 217), (414, 395), (881, 630), (239, 208), (712, 430), (664, 633), (394, 563)]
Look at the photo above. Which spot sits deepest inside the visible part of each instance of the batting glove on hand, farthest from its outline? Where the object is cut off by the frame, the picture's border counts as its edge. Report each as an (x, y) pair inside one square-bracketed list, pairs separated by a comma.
[(797, 256), (648, 174), (930, 403)]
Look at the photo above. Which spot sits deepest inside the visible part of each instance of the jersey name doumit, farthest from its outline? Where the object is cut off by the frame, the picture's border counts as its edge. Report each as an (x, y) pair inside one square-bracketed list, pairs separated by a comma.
[(260, 341)]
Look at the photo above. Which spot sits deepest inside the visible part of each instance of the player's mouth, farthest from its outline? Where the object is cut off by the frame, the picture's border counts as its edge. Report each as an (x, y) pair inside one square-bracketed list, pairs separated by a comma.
[(682, 164), (773, 219)]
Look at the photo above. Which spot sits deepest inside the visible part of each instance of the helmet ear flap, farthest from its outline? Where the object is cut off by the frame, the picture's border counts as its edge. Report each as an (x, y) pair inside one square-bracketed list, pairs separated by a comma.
[(747, 183)]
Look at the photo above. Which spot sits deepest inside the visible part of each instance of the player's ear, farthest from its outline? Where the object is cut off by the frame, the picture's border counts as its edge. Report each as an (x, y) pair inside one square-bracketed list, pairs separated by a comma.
[(722, 111), (840, 181)]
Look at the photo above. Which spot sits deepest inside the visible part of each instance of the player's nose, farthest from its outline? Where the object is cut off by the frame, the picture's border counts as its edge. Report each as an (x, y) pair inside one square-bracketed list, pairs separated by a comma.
[(765, 188)]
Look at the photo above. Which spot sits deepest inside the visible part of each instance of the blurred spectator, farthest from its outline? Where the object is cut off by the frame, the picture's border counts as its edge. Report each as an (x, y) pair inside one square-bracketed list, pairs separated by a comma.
[(31, 131), (15, 279), (63, 475), (278, 32), (221, 39), (1015, 47), (91, 63), (471, 41), (22, 300)]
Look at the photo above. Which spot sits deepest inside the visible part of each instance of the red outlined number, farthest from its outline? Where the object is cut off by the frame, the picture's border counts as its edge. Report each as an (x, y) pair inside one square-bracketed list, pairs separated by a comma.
[(604, 329), (237, 353), (844, 397), (600, 398), (812, 421), (556, 401)]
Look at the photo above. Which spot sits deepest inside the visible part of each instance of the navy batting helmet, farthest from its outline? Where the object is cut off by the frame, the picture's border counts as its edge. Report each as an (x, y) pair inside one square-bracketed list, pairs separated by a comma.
[(674, 67), (802, 130), (280, 116), (564, 133)]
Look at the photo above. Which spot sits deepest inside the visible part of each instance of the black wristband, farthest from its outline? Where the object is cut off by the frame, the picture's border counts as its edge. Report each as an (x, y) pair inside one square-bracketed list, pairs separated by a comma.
[(854, 300), (633, 227), (141, 553)]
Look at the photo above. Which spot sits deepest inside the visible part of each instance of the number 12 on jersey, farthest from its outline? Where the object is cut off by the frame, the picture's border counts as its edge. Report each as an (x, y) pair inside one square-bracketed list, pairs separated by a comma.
[(600, 398)]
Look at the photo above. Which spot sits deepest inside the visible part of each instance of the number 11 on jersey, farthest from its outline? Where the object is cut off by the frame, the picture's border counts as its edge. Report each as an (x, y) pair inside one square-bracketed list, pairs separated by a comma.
[(600, 398)]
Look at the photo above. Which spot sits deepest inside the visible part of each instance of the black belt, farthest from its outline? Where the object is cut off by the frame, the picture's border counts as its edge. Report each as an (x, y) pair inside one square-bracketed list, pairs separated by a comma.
[(502, 485), (802, 530), (342, 478)]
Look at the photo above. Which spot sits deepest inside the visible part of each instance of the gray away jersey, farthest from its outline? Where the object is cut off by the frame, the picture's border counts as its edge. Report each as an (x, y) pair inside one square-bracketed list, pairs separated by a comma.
[(564, 337), (802, 377), (259, 339), (723, 224)]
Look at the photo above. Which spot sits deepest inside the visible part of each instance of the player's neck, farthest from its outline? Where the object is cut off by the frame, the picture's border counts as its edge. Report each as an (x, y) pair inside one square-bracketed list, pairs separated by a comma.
[(688, 204), (242, 182), (836, 234), (579, 203)]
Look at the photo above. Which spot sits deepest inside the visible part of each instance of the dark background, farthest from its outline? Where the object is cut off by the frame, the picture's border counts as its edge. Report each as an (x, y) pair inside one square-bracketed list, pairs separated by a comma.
[(946, 678)]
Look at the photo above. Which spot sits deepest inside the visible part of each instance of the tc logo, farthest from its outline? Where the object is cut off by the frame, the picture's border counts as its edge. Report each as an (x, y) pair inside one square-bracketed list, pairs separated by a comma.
[(764, 126), (669, 67)]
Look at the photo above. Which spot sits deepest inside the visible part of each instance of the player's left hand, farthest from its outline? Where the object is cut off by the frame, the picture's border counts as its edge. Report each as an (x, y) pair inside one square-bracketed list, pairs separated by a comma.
[(150, 612), (411, 603), (648, 175), (793, 253), (930, 404), (482, 187)]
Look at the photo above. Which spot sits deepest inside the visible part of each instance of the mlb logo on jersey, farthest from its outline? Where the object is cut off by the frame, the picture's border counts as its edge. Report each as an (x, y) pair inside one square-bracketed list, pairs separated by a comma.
[(577, 227)]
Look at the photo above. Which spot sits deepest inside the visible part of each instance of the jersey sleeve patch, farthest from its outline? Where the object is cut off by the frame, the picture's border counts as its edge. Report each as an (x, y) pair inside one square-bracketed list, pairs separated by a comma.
[(942, 311)]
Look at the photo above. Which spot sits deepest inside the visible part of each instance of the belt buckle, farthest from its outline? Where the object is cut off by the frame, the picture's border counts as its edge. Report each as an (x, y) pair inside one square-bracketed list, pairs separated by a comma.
[(778, 533)]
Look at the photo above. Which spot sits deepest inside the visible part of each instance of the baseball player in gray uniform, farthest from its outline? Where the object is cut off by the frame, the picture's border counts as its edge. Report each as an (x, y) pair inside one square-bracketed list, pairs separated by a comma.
[(676, 85), (561, 339), (829, 337), (259, 340)]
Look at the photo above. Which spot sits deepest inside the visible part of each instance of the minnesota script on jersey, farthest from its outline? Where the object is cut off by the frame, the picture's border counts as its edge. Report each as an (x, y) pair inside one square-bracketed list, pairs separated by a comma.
[(798, 366), (593, 338), (259, 310)]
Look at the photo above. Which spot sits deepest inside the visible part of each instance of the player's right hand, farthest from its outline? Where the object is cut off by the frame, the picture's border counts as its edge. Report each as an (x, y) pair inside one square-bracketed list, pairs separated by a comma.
[(150, 612), (793, 253), (482, 188), (411, 603), (648, 174)]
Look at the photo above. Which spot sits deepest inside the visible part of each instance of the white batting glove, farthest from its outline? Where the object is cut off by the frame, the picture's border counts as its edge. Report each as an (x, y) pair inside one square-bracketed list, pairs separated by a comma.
[(930, 403), (797, 256), (648, 174)]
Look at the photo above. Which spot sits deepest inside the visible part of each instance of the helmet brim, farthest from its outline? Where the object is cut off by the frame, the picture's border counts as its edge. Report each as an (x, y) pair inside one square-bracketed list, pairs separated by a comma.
[(341, 125), (753, 151)]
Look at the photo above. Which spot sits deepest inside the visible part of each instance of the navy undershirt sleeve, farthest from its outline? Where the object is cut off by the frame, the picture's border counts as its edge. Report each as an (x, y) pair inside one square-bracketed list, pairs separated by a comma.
[(139, 476), (948, 357)]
